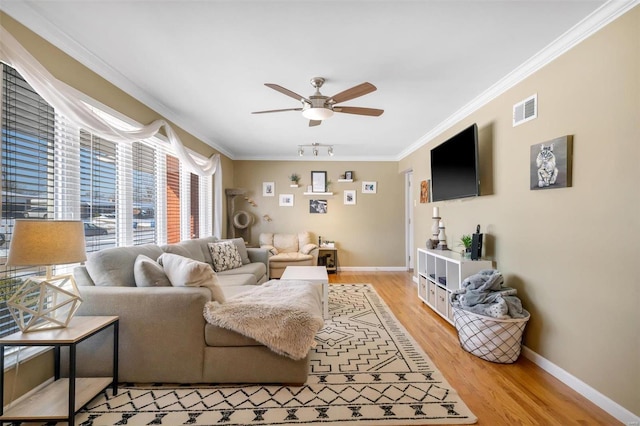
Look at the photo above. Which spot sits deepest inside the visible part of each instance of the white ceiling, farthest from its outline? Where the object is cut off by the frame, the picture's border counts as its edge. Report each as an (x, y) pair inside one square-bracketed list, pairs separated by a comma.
[(203, 64)]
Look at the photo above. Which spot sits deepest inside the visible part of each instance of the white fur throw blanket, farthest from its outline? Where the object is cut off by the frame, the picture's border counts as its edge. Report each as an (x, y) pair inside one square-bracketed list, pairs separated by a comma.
[(282, 315)]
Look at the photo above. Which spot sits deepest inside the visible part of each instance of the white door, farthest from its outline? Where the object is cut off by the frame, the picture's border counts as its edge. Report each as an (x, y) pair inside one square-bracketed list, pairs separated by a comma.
[(409, 219)]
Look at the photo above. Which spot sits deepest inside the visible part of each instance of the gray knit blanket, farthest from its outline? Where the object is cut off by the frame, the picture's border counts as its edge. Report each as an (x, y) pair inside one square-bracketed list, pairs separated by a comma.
[(485, 294), (282, 315)]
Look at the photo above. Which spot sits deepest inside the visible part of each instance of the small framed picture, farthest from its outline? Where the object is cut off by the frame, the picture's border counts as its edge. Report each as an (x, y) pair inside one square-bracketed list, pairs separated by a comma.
[(318, 181), (286, 200), (318, 206), (268, 189), (348, 175), (369, 187), (350, 197)]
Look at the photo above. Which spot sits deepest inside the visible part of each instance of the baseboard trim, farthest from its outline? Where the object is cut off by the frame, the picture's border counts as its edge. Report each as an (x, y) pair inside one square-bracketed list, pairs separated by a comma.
[(374, 268), (602, 401)]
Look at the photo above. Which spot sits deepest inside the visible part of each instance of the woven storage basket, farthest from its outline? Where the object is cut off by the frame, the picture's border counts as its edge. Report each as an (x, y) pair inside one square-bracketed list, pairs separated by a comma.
[(492, 339)]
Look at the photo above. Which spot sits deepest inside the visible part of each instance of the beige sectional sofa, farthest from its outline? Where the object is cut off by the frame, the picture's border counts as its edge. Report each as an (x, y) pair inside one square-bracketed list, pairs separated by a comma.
[(289, 250), (163, 334)]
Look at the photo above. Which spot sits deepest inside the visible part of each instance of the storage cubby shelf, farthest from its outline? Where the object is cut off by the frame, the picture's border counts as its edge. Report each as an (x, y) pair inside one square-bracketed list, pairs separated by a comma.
[(440, 272)]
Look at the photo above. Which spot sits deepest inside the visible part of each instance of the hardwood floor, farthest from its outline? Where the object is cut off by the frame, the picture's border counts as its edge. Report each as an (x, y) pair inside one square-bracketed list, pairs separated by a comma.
[(498, 394)]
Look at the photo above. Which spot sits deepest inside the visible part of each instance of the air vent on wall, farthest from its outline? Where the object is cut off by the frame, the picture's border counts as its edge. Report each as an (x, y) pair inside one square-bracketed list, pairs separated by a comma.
[(525, 110)]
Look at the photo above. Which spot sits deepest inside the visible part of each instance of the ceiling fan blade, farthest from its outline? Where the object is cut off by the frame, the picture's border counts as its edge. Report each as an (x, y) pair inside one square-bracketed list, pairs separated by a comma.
[(277, 110), (287, 92), (314, 123), (354, 92), (360, 111)]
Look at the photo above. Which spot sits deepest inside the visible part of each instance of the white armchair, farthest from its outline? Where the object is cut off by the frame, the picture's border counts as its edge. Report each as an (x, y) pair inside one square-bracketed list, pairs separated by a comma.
[(289, 250)]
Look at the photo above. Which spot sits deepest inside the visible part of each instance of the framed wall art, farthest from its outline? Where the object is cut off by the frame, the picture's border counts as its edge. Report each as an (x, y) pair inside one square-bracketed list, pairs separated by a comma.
[(318, 206), (424, 192), (350, 197), (369, 187), (318, 181), (286, 200), (550, 164), (268, 189)]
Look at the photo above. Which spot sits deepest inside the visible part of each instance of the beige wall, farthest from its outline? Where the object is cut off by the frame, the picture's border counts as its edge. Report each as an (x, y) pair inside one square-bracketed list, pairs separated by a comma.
[(369, 234), (569, 252)]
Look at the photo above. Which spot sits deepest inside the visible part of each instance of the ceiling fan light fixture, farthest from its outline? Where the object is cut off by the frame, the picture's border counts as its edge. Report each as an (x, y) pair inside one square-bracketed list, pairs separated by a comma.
[(315, 113), (330, 151), (315, 152), (300, 152)]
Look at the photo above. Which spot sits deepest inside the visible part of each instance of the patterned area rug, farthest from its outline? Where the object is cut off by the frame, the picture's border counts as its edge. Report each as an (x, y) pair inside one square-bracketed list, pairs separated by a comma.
[(365, 370)]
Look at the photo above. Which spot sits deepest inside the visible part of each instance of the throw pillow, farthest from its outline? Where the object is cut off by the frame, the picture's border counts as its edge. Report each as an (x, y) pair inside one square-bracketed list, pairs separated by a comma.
[(185, 272), (225, 256), (242, 249), (149, 273), (271, 249), (308, 248)]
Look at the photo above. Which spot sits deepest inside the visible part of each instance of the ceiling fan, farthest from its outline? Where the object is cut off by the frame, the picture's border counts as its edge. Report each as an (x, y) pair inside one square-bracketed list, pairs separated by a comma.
[(319, 107)]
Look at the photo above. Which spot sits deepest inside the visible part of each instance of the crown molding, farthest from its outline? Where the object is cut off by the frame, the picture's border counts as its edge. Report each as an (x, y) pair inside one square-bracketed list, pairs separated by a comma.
[(602, 16)]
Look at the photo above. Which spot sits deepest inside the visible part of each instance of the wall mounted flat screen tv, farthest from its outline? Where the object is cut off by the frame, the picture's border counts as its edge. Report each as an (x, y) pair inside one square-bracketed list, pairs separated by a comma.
[(454, 167)]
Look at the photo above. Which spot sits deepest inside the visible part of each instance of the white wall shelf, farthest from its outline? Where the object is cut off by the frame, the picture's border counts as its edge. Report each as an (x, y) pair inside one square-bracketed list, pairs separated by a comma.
[(345, 180), (318, 193)]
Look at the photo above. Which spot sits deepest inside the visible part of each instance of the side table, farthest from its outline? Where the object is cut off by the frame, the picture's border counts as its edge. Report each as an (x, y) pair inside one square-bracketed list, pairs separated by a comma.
[(328, 257), (62, 399)]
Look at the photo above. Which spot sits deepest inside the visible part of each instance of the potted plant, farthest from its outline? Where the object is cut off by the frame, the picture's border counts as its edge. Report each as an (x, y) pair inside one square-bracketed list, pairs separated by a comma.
[(294, 178), (465, 241)]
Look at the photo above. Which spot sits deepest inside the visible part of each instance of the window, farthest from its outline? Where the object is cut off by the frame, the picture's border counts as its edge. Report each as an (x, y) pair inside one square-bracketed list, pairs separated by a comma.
[(126, 194)]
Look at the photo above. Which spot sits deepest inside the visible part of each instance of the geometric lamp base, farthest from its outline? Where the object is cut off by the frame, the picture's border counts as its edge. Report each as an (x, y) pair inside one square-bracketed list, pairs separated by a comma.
[(42, 303)]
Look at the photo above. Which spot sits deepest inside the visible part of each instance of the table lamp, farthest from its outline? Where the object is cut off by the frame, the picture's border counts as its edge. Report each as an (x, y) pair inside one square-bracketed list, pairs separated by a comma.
[(49, 302)]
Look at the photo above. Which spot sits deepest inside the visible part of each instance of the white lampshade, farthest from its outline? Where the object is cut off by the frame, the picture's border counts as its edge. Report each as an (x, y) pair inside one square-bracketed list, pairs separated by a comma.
[(317, 113), (37, 242)]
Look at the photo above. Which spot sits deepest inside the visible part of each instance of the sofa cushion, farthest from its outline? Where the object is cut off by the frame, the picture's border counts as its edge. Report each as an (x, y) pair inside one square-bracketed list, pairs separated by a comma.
[(225, 256), (286, 243), (234, 280), (266, 239), (114, 266), (185, 272), (149, 273), (304, 238), (195, 249), (290, 257), (258, 270)]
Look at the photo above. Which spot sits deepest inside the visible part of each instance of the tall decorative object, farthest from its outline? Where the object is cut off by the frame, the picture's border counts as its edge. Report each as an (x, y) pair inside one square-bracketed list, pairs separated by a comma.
[(49, 302), (435, 230), (238, 222), (442, 237)]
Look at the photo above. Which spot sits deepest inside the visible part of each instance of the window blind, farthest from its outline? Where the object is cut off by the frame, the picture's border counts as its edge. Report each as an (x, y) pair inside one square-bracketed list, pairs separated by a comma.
[(173, 199), (27, 174), (98, 191), (194, 204), (144, 194)]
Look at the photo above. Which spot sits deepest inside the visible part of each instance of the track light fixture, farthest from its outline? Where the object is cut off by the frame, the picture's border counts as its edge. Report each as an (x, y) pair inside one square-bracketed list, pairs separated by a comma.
[(315, 149)]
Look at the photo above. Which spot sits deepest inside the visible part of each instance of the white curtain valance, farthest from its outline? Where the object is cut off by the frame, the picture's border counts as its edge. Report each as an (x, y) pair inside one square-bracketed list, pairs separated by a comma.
[(68, 101)]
